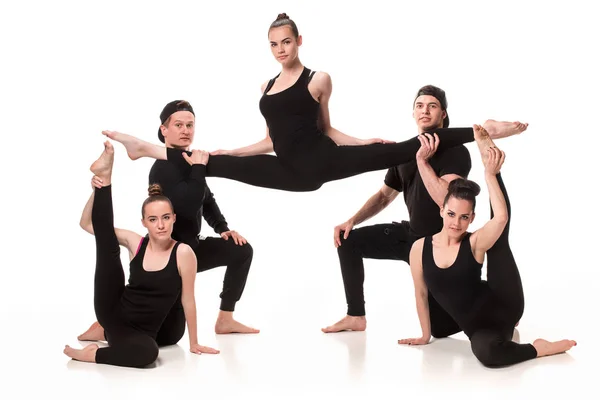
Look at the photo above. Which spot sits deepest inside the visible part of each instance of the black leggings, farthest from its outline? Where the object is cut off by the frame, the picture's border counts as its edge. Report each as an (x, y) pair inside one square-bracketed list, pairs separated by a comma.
[(315, 163), (494, 347), (128, 347), (383, 242), (212, 253)]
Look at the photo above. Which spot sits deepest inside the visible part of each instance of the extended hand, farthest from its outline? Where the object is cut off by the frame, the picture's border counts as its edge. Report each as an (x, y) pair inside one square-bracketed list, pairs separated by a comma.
[(197, 349), (415, 341), (429, 145), (237, 238), (494, 161), (198, 157), (96, 182), (346, 227)]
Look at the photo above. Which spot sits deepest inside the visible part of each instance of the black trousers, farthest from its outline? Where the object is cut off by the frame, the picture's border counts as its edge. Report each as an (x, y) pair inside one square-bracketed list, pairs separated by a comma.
[(309, 165), (127, 346), (383, 242), (492, 342), (212, 253)]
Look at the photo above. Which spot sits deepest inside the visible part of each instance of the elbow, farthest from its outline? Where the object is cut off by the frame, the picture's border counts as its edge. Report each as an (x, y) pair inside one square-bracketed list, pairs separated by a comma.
[(501, 219), (86, 226)]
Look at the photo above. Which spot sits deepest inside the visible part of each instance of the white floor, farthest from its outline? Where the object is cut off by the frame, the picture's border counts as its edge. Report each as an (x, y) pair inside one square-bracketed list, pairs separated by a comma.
[(291, 358)]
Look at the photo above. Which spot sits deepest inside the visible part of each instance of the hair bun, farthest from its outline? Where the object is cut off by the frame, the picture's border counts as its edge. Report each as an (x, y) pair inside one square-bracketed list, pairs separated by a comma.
[(461, 184), (155, 190), (282, 16)]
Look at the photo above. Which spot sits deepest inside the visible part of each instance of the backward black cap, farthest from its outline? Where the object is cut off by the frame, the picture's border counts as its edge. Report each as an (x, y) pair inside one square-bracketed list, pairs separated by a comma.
[(170, 109), (440, 95)]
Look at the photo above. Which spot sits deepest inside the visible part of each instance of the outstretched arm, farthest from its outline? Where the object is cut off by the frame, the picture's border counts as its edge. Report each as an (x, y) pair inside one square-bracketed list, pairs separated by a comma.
[(126, 238), (324, 88), (485, 237), (455, 159), (187, 265), (421, 294), (264, 146)]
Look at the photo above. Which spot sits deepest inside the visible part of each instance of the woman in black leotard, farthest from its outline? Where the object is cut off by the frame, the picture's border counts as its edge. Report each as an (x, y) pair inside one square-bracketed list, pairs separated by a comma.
[(448, 265), (309, 151), (161, 269)]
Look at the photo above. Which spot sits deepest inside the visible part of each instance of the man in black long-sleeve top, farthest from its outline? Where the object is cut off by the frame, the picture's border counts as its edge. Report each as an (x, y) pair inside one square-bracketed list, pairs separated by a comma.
[(184, 183)]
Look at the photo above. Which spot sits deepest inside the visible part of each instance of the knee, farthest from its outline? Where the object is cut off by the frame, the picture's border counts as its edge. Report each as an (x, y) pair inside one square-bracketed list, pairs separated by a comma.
[(350, 243), (245, 252), (485, 353), (144, 354)]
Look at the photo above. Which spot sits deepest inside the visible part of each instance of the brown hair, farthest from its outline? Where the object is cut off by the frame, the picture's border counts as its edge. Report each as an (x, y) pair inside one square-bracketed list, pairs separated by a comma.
[(463, 189), (282, 20), (155, 193)]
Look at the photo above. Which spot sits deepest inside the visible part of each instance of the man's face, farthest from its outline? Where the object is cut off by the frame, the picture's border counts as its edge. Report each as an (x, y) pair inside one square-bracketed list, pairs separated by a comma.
[(428, 113), (179, 131)]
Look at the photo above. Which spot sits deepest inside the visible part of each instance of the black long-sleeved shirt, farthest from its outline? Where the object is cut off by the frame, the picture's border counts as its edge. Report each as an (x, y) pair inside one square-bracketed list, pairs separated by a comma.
[(191, 197)]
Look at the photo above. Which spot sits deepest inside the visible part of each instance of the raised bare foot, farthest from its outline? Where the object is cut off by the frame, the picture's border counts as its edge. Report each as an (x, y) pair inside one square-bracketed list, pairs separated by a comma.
[(502, 129), (348, 323), (483, 140), (87, 354), (546, 348), (94, 332), (102, 167), (135, 147), (226, 324)]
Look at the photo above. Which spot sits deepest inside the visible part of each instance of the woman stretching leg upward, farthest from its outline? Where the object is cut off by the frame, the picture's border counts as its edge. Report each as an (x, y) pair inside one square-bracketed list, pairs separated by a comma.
[(160, 270), (448, 265), (309, 151)]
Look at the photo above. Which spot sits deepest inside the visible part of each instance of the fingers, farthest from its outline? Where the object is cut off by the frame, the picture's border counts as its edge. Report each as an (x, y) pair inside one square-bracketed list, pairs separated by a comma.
[(203, 349), (209, 350), (187, 158), (336, 236), (96, 182)]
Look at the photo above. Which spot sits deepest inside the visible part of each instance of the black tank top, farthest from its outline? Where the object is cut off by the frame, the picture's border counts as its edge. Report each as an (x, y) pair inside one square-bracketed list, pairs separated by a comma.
[(291, 115), (149, 295), (458, 288)]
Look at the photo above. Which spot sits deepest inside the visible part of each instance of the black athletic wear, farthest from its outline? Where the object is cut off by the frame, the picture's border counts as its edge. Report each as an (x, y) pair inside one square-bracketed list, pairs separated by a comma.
[(487, 311), (130, 314), (306, 157)]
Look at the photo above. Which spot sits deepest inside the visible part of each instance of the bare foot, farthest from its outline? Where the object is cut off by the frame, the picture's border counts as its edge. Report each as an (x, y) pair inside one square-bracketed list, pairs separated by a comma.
[(87, 354), (226, 324), (483, 140), (94, 332), (102, 167), (135, 147), (546, 348), (348, 323), (502, 129)]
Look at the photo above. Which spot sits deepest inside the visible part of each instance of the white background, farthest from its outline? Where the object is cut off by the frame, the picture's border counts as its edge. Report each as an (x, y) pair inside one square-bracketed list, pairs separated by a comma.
[(72, 69)]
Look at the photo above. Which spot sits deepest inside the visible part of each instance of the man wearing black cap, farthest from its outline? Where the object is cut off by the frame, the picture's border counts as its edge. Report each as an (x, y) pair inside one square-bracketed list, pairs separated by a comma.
[(185, 185), (393, 241)]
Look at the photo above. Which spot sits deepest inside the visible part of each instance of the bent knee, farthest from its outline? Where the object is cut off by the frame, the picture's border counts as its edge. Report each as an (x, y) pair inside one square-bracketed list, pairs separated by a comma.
[(486, 354), (144, 355)]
